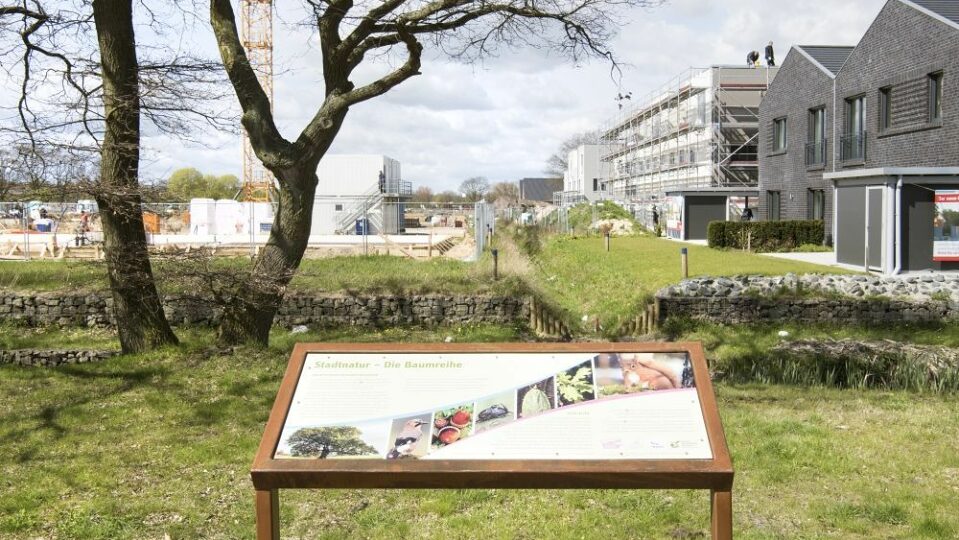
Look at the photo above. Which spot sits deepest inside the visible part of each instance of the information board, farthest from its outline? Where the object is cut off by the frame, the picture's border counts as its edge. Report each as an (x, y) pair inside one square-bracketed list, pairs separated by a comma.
[(590, 415), (507, 405), (945, 242)]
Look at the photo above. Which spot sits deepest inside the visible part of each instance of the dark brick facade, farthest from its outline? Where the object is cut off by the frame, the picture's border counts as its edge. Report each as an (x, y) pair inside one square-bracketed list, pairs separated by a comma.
[(901, 48), (799, 87), (899, 51)]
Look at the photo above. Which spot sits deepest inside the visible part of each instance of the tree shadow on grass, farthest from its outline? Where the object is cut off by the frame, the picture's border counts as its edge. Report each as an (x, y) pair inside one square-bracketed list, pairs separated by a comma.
[(47, 418)]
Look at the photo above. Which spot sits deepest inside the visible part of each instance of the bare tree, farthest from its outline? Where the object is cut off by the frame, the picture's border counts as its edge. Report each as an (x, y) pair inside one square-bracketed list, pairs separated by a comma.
[(474, 188), (81, 59), (557, 163), (352, 34), (423, 194), (504, 194)]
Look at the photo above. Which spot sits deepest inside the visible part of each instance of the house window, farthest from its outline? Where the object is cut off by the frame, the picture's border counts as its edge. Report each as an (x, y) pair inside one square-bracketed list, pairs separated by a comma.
[(338, 207), (935, 96), (779, 135), (854, 140), (816, 137), (595, 184), (772, 202), (816, 204), (885, 108)]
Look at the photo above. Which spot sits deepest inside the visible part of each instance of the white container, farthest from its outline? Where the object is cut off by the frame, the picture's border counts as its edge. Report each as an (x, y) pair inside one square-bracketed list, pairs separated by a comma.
[(87, 205), (228, 218), (354, 174), (202, 217), (262, 217)]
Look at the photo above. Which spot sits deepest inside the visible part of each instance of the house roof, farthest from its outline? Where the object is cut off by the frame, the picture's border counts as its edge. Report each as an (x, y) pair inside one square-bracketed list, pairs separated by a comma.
[(539, 189), (945, 10), (828, 57)]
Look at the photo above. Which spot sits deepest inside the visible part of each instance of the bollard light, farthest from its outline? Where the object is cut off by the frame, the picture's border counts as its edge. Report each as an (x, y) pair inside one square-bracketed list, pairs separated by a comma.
[(495, 264), (684, 258)]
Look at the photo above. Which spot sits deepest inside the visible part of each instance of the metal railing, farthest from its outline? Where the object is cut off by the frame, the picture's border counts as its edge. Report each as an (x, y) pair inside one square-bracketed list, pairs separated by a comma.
[(401, 188), (816, 153), (853, 147), (484, 226)]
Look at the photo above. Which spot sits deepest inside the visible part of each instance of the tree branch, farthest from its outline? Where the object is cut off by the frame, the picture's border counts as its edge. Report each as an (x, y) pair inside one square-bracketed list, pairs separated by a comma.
[(257, 117)]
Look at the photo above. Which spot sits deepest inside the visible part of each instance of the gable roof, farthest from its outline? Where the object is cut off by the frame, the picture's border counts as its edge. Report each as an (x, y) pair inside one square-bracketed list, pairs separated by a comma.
[(829, 58), (946, 11)]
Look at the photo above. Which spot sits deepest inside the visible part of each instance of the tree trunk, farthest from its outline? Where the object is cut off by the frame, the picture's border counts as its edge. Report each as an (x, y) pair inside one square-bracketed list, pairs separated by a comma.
[(249, 315), (141, 323)]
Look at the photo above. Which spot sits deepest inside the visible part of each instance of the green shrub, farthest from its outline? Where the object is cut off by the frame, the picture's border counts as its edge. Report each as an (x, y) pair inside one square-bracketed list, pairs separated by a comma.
[(529, 239), (582, 216), (813, 248), (764, 236)]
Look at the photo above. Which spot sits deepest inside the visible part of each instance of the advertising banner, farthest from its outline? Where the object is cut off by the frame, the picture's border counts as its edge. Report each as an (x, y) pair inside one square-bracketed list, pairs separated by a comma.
[(673, 212), (945, 227)]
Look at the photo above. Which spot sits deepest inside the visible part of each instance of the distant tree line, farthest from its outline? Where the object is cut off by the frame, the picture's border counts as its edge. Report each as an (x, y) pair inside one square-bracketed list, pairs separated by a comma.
[(472, 190), (60, 176)]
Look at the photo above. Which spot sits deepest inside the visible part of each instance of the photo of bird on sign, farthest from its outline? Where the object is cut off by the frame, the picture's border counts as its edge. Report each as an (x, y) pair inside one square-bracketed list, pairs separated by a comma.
[(408, 437)]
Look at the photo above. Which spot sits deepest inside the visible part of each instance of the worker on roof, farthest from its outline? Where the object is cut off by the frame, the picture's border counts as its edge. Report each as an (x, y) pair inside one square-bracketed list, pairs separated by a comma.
[(752, 59), (770, 55)]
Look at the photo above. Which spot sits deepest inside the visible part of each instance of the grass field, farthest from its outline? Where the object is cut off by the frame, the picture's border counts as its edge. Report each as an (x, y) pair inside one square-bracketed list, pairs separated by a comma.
[(584, 279), (362, 274), (142, 446)]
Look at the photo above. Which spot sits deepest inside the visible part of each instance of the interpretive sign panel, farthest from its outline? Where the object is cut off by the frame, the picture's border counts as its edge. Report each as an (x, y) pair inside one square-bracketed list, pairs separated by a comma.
[(945, 242), (493, 415)]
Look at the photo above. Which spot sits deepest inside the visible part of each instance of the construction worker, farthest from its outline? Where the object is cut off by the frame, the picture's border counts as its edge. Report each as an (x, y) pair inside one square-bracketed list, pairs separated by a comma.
[(752, 58), (770, 55)]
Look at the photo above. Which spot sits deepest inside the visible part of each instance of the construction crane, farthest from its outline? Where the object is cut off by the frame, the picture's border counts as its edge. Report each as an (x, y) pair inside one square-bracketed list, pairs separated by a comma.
[(256, 32)]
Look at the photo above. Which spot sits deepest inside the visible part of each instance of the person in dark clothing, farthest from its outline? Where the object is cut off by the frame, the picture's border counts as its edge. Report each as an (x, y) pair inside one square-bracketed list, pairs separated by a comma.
[(382, 182), (752, 58), (770, 55), (655, 216), (747, 215)]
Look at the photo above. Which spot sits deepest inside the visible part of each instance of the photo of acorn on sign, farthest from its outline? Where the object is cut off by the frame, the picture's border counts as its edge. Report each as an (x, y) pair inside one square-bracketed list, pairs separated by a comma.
[(451, 425)]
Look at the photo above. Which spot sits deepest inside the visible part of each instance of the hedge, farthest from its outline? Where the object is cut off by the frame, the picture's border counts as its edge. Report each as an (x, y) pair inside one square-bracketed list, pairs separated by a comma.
[(764, 236)]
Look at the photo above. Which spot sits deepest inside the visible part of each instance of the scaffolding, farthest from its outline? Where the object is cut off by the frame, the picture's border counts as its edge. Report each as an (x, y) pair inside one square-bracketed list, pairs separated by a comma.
[(699, 131), (256, 32)]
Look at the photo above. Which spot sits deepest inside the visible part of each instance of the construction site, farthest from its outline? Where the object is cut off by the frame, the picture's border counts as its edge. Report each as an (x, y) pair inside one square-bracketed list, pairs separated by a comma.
[(687, 153), (362, 204)]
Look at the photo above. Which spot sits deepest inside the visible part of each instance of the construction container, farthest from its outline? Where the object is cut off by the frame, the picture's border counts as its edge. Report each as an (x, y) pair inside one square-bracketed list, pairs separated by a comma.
[(228, 218), (202, 217), (151, 222)]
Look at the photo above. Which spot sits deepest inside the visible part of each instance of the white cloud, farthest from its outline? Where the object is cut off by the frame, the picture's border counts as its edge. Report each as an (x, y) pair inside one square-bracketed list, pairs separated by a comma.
[(504, 117)]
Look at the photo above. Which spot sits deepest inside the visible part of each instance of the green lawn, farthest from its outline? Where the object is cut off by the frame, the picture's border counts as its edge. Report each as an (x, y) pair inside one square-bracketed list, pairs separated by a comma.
[(586, 280), (361, 274), (140, 446)]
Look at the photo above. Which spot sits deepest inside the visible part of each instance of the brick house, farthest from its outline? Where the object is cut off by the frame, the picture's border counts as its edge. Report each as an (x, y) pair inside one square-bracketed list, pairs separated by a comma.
[(799, 103), (875, 129)]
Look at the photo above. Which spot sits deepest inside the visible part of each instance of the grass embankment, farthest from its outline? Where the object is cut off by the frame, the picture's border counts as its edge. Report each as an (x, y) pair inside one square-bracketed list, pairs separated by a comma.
[(757, 353), (142, 446), (359, 274), (584, 279)]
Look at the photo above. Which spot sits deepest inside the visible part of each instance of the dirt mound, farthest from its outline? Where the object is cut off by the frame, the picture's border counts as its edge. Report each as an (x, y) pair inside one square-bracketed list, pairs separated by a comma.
[(617, 227)]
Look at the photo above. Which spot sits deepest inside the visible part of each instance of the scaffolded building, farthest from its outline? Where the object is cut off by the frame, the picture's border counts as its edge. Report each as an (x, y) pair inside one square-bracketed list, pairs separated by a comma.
[(698, 133)]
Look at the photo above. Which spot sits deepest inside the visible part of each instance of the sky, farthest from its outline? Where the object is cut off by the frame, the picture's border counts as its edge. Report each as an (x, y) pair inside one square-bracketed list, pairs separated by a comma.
[(503, 118)]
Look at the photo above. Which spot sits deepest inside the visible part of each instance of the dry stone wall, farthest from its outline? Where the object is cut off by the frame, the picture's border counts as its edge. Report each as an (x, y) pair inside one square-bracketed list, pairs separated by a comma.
[(845, 299), (51, 358), (95, 310)]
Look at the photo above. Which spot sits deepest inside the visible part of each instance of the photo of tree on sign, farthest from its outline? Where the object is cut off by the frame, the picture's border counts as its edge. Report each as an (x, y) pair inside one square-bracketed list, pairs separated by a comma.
[(327, 443)]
